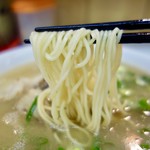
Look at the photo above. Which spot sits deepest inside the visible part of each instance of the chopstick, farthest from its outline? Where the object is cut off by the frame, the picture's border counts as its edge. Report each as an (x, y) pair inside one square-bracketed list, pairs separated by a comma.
[(136, 37), (143, 37), (125, 25)]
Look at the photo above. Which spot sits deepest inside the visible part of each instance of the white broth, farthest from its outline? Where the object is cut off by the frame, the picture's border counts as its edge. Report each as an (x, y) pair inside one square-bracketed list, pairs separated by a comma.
[(18, 89)]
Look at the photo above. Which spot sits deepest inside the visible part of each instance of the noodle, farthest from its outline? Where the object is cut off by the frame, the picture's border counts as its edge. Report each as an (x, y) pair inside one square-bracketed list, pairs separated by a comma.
[(81, 76)]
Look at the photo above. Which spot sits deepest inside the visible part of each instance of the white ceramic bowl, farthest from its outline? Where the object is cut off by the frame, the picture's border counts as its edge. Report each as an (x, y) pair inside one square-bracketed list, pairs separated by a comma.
[(134, 55)]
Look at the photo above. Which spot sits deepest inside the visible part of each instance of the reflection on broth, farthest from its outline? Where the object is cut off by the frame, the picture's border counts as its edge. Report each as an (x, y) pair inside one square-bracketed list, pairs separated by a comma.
[(128, 131)]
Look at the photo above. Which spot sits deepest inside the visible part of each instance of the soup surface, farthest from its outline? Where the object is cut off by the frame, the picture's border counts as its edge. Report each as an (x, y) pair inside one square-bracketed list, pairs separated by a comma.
[(22, 129)]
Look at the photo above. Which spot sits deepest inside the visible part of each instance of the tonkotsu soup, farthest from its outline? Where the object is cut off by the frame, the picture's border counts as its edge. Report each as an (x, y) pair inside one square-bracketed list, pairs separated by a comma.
[(21, 128)]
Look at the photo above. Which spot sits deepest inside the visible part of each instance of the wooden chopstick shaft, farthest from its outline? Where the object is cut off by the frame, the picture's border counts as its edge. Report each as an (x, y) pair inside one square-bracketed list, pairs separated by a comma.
[(125, 25), (142, 37)]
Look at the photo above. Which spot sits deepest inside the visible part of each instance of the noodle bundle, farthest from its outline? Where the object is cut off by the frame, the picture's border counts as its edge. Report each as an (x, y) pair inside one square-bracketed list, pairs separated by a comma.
[(81, 76)]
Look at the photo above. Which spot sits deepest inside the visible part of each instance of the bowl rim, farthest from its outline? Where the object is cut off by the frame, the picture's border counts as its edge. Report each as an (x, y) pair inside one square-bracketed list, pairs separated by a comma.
[(134, 55)]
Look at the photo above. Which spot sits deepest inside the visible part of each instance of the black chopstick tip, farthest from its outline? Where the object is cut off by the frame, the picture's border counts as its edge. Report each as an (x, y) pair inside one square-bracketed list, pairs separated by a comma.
[(125, 25), (27, 41), (141, 37)]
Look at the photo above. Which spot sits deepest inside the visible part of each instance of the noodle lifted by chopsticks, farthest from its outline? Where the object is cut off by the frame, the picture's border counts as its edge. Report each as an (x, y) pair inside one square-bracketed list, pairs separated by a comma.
[(81, 76)]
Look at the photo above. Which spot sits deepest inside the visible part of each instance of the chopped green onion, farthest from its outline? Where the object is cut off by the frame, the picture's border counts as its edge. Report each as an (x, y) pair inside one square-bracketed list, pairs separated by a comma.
[(119, 84), (145, 146), (31, 110), (146, 79), (96, 143), (61, 148), (143, 104), (96, 148), (39, 143), (41, 140), (143, 130)]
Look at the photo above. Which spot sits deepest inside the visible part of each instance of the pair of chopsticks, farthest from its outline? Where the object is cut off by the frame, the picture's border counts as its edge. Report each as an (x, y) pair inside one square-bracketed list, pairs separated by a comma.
[(136, 37)]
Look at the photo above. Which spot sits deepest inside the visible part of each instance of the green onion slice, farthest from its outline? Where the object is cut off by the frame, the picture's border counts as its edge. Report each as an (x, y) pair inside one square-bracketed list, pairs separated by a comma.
[(119, 84), (143, 130), (145, 146), (61, 148), (143, 104), (31, 110), (96, 148)]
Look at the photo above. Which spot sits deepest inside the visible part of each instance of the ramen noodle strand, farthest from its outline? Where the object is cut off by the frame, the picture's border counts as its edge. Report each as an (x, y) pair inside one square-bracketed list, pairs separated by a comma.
[(80, 67)]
